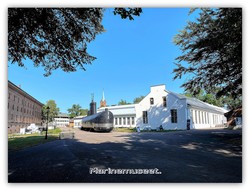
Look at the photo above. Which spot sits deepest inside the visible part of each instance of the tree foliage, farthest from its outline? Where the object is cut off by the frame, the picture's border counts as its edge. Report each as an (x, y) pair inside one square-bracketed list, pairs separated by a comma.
[(56, 37), (123, 102), (224, 101), (77, 110), (53, 110), (212, 52), (138, 99), (127, 12)]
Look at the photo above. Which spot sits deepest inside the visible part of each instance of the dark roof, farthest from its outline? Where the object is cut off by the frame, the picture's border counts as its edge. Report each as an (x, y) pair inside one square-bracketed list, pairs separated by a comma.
[(62, 115), (23, 92)]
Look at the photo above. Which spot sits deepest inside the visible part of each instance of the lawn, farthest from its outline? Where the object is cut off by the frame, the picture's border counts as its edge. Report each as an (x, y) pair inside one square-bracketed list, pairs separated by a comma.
[(127, 130), (19, 142)]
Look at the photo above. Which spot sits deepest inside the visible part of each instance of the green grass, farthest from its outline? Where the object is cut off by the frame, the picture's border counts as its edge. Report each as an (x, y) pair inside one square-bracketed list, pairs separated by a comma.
[(128, 130), (54, 131), (19, 142)]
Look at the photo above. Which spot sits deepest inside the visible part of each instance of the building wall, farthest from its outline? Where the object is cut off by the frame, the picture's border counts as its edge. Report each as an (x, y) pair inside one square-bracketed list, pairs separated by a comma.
[(125, 121), (124, 115), (78, 123), (201, 118), (158, 113), (23, 109), (61, 121), (168, 110)]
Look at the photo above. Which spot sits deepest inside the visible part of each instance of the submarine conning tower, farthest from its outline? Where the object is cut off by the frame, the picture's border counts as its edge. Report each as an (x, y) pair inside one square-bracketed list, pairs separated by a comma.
[(92, 106)]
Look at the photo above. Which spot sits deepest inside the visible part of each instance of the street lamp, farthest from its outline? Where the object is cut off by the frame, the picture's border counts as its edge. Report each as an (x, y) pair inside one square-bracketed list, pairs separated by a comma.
[(47, 109)]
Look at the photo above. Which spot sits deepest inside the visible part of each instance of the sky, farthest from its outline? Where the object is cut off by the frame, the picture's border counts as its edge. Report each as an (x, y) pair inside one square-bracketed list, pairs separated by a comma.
[(131, 57)]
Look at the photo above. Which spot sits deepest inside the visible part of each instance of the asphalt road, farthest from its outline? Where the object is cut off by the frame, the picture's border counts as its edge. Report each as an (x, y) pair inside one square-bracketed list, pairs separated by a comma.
[(176, 157)]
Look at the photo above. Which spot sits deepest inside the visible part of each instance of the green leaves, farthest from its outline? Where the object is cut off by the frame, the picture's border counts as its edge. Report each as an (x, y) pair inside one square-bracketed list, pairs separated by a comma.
[(77, 110), (127, 12), (53, 37), (56, 38), (212, 52), (53, 110)]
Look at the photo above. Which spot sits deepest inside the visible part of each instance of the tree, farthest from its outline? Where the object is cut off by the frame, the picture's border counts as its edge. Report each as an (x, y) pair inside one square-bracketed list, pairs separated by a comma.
[(223, 101), (84, 112), (206, 97), (212, 52), (138, 99), (56, 37), (53, 110), (77, 110), (123, 102)]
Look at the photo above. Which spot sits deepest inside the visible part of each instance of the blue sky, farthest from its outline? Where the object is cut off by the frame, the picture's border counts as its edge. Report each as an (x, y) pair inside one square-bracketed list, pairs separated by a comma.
[(131, 57)]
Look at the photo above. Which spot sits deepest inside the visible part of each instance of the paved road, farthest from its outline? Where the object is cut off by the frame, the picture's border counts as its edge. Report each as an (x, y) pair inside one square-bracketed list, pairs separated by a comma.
[(188, 156)]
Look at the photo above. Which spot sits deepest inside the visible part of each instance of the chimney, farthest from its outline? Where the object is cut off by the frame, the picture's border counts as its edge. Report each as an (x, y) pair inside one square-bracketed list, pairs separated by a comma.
[(92, 109)]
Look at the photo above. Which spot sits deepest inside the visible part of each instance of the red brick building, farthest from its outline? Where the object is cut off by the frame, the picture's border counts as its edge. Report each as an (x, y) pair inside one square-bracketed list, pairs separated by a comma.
[(23, 109)]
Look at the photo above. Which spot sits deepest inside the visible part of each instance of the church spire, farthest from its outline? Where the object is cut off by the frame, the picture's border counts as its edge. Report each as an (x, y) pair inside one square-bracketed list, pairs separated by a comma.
[(103, 98), (103, 101)]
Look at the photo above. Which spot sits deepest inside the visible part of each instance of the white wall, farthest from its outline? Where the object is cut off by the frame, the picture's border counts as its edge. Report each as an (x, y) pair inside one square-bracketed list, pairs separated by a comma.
[(78, 123), (201, 118), (157, 113), (123, 113), (126, 121), (61, 122)]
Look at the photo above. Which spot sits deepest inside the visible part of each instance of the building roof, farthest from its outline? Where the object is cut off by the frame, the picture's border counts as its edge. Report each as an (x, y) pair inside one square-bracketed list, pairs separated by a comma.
[(65, 115), (198, 103), (18, 89), (80, 116), (121, 109), (193, 102)]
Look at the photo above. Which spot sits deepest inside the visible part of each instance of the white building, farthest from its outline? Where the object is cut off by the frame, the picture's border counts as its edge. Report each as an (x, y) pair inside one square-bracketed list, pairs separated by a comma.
[(124, 115), (78, 121), (61, 120), (164, 109)]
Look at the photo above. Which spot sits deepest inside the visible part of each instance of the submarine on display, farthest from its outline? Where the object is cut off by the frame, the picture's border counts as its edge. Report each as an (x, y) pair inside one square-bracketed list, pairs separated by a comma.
[(99, 122)]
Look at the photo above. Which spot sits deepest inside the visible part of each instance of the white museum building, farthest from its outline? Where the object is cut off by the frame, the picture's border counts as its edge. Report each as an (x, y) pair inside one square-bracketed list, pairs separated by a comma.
[(61, 120), (163, 109)]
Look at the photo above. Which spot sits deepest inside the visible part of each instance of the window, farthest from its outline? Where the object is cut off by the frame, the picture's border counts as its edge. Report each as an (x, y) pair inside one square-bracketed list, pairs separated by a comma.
[(195, 113), (116, 121), (174, 115), (199, 117), (164, 100), (133, 120), (145, 116), (128, 120), (202, 117), (151, 101), (120, 121), (124, 120)]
